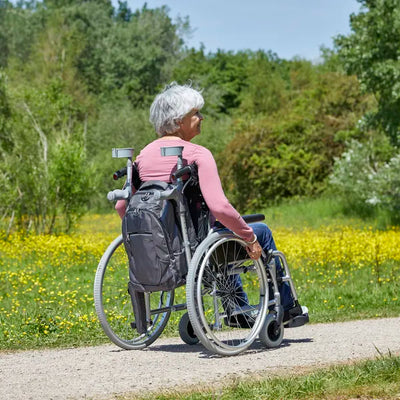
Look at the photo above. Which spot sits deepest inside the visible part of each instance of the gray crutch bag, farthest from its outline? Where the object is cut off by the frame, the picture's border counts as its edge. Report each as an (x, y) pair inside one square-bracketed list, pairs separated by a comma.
[(153, 240)]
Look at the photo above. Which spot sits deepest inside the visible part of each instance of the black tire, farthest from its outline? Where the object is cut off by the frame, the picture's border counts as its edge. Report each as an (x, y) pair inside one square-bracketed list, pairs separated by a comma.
[(271, 334), (186, 331)]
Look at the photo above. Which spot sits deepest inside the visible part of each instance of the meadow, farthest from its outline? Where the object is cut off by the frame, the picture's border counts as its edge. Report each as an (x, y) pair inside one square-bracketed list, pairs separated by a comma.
[(341, 272)]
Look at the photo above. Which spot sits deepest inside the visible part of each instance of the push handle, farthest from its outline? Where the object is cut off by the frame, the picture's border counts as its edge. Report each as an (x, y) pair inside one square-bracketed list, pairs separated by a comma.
[(118, 194), (183, 171), (119, 174)]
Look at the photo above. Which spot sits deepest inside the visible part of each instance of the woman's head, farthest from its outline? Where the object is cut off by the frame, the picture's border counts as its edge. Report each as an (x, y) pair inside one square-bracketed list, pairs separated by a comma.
[(172, 105)]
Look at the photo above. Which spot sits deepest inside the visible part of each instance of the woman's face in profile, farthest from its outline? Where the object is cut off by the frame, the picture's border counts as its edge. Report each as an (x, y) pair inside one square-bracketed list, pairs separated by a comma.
[(190, 126)]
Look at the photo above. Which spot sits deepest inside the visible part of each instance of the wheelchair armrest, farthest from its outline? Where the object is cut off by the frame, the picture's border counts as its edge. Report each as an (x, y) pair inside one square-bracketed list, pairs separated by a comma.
[(250, 218)]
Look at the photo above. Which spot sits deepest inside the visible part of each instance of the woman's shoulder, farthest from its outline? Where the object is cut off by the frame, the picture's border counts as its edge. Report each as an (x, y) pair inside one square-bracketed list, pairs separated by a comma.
[(194, 152), (199, 149), (149, 148)]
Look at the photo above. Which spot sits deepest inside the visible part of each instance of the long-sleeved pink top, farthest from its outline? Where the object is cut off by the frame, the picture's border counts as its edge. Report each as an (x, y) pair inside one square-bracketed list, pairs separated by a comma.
[(152, 166)]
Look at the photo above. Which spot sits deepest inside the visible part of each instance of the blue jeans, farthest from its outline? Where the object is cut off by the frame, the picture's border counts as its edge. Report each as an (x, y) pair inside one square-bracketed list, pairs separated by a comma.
[(266, 240)]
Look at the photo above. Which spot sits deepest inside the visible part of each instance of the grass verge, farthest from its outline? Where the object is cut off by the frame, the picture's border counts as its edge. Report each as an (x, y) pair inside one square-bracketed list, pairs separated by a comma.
[(372, 379)]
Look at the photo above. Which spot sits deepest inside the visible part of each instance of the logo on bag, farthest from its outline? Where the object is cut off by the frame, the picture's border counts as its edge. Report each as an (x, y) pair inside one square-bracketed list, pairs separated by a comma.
[(145, 197)]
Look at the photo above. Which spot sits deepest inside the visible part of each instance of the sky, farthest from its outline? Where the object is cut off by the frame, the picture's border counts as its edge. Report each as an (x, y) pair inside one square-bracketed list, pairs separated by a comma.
[(289, 28)]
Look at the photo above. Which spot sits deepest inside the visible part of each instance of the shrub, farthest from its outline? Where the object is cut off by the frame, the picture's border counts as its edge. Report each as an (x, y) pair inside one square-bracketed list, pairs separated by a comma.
[(291, 152), (367, 177)]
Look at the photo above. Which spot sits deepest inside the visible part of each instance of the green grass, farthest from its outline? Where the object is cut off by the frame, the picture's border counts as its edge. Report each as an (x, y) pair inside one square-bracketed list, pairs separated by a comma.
[(312, 213), (46, 283), (372, 379)]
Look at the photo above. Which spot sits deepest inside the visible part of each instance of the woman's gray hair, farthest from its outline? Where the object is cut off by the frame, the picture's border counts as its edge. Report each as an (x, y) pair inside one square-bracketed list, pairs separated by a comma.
[(171, 105)]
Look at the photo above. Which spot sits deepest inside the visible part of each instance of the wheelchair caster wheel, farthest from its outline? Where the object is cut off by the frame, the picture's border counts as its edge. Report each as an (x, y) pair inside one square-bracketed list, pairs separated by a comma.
[(186, 331), (271, 334)]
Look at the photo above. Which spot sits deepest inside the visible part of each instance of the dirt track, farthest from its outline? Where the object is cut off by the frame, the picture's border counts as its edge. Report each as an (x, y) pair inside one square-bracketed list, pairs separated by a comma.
[(105, 371)]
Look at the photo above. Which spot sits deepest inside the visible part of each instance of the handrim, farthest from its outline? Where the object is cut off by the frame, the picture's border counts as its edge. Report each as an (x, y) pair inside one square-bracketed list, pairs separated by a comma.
[(210, 338)]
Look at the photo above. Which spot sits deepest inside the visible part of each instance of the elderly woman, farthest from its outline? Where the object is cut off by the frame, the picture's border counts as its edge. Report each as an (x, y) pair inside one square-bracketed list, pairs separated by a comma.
[(175, 115)]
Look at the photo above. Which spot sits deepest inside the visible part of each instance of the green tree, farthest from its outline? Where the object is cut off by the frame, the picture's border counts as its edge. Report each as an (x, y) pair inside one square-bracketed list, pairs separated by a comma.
[(3, 35), (44, 167), (19, 26), (80, 78), (266, 84), (137, 53), (372, 52), (222, 75), (5, 114), (71, 181)]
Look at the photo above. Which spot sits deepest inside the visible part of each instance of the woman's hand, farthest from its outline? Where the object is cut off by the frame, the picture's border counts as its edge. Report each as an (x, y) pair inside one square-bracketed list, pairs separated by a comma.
[(254, 249)]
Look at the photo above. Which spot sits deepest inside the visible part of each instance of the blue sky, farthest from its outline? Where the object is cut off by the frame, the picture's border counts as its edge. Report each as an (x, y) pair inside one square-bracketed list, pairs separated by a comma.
[(287, 27)]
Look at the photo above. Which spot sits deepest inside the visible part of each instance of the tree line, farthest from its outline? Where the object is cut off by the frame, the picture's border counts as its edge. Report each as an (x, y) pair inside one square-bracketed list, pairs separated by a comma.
[(77, 78)]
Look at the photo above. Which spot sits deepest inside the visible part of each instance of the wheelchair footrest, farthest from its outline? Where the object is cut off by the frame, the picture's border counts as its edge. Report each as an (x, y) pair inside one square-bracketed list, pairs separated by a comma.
[(297, 321)]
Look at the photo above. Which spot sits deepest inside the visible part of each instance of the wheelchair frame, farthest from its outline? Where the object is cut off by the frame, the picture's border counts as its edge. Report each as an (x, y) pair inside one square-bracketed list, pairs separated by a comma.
[(215, 314)]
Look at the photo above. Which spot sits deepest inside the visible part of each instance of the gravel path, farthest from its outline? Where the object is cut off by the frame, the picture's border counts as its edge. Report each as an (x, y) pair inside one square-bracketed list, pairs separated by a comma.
[(105, 371)]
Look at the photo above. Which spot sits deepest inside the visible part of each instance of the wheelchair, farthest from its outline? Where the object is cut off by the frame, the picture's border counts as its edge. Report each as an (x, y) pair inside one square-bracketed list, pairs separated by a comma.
[(225, 320)]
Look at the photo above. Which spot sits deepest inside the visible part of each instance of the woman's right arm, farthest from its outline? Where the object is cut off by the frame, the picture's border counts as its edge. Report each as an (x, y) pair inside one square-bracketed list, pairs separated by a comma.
[(214, 196)]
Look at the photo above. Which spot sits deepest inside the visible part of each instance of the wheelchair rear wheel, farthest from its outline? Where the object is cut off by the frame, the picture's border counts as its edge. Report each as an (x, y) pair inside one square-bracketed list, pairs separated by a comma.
[(226, 318), (113, 303)]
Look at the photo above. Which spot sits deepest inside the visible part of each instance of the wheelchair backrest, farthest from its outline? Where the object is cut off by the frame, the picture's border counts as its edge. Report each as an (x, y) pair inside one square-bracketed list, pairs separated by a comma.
[(197, 207)]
